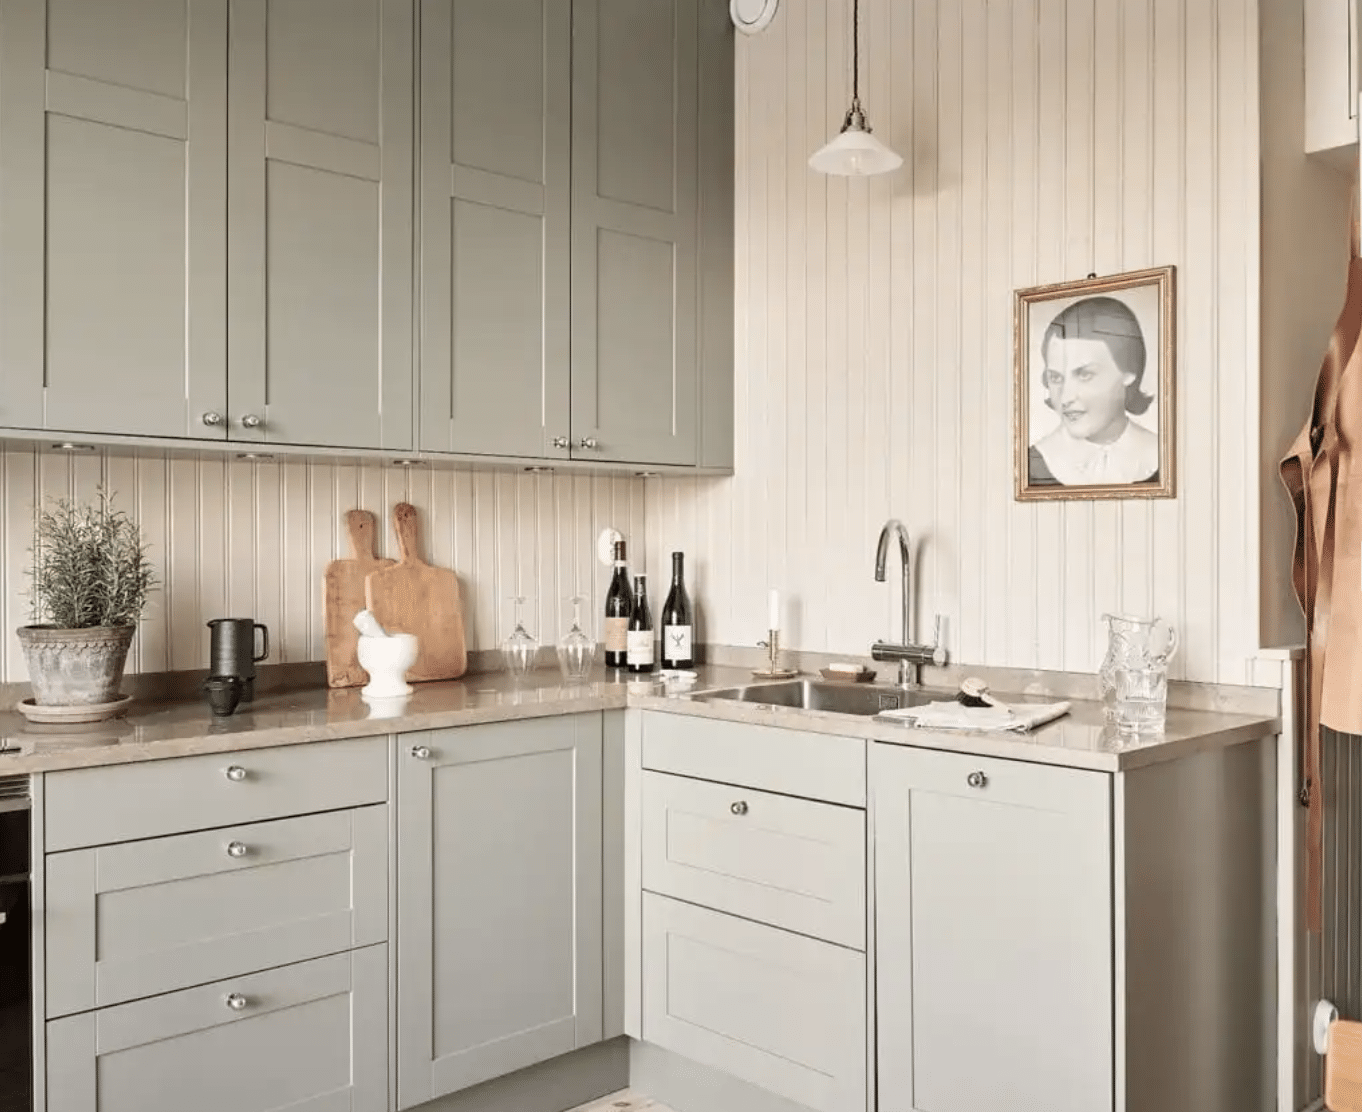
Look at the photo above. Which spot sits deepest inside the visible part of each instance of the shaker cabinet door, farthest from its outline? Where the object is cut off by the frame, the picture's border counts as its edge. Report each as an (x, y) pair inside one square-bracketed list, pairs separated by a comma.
[(113, 215), (496, 189), (994, 934), (320, 202), (635, 183), (499, 900)]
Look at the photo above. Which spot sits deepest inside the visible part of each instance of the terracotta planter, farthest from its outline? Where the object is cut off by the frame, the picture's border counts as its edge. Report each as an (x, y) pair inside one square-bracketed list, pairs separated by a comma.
[(75, 667)]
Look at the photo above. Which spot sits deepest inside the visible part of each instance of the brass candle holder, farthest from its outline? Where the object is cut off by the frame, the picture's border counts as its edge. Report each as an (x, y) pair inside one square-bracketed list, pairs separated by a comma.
[(773, 670)]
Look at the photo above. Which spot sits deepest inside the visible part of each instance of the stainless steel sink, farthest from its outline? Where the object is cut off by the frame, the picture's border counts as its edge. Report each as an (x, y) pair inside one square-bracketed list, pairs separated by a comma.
[(836, 698)]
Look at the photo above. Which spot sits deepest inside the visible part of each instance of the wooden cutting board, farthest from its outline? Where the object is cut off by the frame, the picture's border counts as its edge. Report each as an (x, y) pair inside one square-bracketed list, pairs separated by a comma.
[(343, 598), (414, 597), (1343, 1068)]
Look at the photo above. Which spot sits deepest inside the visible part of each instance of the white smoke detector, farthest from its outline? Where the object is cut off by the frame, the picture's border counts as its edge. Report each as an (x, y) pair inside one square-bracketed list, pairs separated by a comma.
[(752, 16)]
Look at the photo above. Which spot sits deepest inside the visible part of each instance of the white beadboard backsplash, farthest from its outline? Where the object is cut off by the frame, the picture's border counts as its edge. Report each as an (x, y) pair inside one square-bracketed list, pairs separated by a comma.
[(1043, 140), (234, 538)]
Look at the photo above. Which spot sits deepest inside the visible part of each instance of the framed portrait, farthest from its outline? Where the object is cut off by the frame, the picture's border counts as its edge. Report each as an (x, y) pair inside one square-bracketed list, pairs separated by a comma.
[(1095, 395)]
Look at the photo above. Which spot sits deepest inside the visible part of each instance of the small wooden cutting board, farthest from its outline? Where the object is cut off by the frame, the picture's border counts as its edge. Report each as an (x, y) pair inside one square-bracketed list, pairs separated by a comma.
[(343, 598), (414, 597)]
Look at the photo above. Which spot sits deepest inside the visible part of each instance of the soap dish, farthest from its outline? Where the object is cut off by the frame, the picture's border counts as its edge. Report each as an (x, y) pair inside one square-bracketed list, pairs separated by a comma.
[(865, 675)]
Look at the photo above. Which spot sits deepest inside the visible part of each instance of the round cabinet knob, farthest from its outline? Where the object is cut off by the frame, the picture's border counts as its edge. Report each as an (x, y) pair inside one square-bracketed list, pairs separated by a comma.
[(236, 774), (237, 849), (212, 420), (590, 443), (421, 752), (237, 1002), (562, 442), (739, 808), (976, 779), (251, 421)]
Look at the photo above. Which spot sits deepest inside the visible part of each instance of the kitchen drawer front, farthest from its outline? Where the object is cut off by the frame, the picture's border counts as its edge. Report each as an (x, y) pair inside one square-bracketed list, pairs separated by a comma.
[(120, 803), (789, 862), (784, 1012), (308, 1037), (792, 762), (142, 918)]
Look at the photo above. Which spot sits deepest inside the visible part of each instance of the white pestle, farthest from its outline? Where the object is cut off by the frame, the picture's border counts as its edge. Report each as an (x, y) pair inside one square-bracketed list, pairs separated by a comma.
[(368, 625)]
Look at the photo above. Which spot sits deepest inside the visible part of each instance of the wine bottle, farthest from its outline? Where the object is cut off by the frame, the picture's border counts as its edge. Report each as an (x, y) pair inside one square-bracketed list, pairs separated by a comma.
[(619, 606), (640, 651), (678, 628)]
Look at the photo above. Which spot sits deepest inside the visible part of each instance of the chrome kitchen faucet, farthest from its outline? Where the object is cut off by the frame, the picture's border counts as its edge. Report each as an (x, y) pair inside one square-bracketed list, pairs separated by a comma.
[(911, 657)]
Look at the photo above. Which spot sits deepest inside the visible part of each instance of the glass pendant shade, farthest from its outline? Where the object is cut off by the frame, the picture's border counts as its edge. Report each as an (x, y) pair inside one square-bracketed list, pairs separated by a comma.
[(855, 153)]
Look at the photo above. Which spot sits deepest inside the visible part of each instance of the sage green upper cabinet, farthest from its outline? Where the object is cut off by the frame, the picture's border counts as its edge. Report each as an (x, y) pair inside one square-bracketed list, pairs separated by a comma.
[(635, 230), (499, 906), (496, 203), (320, 204), (113, 215)]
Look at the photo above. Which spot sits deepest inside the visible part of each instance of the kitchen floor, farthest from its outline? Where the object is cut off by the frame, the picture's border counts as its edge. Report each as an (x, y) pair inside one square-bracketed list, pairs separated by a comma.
[(623, 1101)]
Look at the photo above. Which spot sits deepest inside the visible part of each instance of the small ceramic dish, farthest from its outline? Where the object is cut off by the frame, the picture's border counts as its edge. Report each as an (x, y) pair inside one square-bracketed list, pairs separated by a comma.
[(865, 675), (63, 716)]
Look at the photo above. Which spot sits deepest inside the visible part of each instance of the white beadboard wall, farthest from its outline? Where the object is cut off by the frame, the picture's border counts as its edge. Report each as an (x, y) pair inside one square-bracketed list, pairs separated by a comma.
[(1044, 139), (237, 538)]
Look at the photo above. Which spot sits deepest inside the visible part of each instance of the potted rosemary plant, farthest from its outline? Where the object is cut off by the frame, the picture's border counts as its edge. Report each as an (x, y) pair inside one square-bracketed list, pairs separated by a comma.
[(90, 581)]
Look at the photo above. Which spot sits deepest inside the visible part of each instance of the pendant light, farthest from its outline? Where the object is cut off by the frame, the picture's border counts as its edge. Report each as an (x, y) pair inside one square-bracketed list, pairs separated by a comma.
[(855, 152)]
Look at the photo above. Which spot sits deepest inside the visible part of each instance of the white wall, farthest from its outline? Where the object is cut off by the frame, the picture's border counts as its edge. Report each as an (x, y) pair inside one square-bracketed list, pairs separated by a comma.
[(237, 539), (1045, 139)]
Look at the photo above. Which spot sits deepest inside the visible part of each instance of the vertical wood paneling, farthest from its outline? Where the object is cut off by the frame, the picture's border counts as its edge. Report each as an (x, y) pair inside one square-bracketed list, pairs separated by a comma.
[(1044, 139), (237, 538)]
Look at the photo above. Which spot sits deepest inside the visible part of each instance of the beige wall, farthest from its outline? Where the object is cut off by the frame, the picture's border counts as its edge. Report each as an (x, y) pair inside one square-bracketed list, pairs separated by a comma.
[(236, 539), (1305, 258), (1044, 140)]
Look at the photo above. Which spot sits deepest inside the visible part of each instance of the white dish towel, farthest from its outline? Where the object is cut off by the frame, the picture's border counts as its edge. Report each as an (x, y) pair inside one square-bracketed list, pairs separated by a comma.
[(951, 715)]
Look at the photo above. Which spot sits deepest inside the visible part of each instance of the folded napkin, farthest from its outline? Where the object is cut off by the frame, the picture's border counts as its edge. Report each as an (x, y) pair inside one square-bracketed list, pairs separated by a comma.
[(951, 715)]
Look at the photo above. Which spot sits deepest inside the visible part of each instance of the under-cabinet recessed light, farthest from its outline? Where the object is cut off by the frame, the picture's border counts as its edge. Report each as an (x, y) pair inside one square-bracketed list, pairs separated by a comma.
[(539, 470), (647, 474), (255, 455), (68, 447), (409, 463)]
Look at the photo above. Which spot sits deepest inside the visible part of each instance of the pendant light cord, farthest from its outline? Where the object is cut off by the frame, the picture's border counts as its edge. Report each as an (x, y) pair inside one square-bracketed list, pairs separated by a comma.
[(856, 53)]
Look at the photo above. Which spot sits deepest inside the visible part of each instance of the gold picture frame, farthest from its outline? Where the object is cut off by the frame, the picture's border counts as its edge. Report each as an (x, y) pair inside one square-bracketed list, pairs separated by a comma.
[(1095, 399)]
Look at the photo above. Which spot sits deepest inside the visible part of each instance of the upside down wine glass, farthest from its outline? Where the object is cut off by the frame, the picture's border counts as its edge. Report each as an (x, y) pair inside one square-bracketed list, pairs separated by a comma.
[(520, 648), (576, 649)]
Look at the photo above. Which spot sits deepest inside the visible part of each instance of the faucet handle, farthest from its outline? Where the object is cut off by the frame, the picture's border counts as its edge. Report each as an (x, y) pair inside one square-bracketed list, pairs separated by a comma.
[(938, 649)]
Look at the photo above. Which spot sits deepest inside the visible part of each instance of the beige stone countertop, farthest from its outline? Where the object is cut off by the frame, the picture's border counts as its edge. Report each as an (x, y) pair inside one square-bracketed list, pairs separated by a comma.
[(155, 731)]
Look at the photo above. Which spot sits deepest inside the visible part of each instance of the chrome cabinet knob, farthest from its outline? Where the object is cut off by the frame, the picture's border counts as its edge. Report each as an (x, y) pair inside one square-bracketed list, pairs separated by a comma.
[(590, 443), (212, 419), (237, 849), (976, 779), (739, 808), (421, 752), (562, 442), (251, 421), (236, 774), (237, 1002)]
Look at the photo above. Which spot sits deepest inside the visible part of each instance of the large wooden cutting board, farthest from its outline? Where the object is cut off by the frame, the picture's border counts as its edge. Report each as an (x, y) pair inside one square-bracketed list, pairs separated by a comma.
[(343, 598), (414, 597)]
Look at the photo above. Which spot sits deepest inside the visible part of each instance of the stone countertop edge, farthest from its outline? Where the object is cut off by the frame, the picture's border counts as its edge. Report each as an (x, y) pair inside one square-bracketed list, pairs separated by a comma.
[(178, 729)]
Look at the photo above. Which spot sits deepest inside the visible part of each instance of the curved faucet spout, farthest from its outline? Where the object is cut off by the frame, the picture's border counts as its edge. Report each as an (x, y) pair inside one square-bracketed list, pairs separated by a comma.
[(893, 525)]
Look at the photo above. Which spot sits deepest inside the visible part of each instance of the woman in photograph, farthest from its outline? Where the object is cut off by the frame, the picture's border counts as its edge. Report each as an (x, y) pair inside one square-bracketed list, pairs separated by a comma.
[(1094, 356)]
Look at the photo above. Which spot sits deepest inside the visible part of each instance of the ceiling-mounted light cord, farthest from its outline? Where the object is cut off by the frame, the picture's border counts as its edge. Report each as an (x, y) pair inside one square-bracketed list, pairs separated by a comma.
[(856, 54)]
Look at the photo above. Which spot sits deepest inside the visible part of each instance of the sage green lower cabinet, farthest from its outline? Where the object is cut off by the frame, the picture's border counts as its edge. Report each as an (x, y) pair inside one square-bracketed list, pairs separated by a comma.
[(499, 900), (785, 1012), (993, 889), (311, 1037)]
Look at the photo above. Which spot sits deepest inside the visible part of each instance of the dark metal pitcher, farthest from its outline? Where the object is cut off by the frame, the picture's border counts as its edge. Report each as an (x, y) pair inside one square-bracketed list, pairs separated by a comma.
[(232, 651)]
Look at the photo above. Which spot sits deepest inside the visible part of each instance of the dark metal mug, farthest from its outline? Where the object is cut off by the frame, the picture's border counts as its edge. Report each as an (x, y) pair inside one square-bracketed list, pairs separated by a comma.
[(232, 651)]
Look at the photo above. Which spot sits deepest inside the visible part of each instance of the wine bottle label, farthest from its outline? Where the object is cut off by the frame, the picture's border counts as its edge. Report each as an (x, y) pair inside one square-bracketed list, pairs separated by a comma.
[(616, 635), (640, 647), (676, 644)]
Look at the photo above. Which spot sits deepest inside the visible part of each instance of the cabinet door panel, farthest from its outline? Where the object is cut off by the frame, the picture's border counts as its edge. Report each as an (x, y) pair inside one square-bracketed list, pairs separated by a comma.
[(311, 1038), (635, 185), (112, 214), (495, 228), (994, 916), (499, 900), (320, 199)]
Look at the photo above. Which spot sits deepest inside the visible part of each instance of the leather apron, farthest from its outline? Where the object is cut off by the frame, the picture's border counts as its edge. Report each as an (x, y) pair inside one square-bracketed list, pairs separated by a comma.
[(1327, 570)]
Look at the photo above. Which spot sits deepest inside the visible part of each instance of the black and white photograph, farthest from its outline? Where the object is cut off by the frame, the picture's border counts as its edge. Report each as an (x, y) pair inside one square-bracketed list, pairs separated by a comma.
[(1094, 388)]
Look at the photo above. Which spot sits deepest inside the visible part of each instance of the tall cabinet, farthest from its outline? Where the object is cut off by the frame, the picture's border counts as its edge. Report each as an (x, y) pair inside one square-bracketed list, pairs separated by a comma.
[(320, 206), (113, 117), (499, 900)]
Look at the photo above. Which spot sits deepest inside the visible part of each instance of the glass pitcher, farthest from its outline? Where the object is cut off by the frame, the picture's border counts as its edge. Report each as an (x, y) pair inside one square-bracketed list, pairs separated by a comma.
[(1135, 671)]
